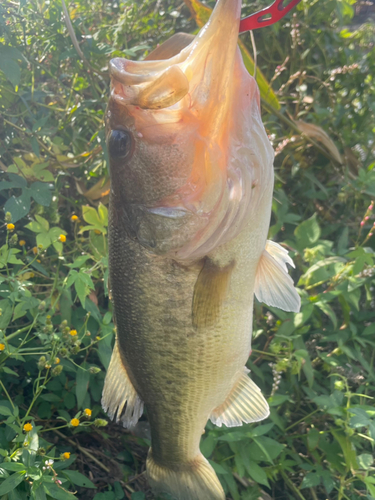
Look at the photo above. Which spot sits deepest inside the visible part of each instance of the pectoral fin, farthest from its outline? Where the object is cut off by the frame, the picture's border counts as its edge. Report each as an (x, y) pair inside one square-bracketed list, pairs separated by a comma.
[(118, 391), (273, 285), (209, 293), (244, 404)]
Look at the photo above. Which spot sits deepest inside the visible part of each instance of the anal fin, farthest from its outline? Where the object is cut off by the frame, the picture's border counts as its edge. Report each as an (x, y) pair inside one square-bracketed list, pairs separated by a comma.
[(119, 391), (244, 404), (273, 285)]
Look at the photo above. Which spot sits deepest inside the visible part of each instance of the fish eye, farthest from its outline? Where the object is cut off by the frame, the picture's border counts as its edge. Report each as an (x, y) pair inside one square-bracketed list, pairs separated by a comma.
[(119, 144)]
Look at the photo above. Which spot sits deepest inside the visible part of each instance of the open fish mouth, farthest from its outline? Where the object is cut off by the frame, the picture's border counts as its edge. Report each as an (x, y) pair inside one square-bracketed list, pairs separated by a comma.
[(179, 69), (197, 153)]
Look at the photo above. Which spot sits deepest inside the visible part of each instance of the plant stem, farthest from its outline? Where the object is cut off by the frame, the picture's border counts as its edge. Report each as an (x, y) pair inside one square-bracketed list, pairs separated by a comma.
[(301, 420), (7, 395), (292, 486)]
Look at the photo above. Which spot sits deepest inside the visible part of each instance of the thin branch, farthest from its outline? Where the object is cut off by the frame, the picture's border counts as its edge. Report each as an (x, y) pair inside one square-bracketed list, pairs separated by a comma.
[(75, 41)]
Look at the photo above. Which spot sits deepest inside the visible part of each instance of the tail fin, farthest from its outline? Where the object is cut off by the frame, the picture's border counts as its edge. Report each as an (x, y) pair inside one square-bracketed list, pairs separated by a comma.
[(195, 480)]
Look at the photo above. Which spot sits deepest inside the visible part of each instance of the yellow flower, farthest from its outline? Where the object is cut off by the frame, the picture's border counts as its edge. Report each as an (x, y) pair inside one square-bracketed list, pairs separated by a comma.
[(2, 347), (73, 333), (57, 361), (27, 427), (35, 250), (22, 243), (10, 227), (66, 455), (74, 218), (74, 422), (87, 412), (62, 238)]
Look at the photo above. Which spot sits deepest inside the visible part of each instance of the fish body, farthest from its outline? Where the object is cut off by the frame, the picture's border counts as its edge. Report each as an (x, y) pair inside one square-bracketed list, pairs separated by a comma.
[(191, 192)]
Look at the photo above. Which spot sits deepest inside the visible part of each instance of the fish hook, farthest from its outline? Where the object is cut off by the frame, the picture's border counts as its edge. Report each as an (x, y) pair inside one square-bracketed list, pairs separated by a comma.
[(266, 17)]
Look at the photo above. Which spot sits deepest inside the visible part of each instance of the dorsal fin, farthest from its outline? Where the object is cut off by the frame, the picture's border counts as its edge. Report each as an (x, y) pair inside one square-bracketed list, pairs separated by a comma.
[(170, 47)]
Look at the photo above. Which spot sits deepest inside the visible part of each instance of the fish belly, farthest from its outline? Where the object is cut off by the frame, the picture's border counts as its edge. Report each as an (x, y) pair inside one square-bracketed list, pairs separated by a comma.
[(180, 371)]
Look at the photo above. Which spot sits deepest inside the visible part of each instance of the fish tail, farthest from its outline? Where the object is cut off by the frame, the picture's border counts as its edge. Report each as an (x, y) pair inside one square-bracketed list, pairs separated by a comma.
[(195, 480)]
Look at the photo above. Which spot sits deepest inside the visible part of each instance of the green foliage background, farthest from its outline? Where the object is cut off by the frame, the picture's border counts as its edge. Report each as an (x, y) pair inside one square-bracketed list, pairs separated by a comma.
[(56, 332)]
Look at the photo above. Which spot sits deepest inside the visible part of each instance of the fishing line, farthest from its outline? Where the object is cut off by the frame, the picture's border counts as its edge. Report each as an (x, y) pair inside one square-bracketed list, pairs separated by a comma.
[(252, 38)]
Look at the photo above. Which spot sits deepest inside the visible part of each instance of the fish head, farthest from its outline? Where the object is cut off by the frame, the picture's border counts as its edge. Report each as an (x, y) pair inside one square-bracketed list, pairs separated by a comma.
[(189, 156)]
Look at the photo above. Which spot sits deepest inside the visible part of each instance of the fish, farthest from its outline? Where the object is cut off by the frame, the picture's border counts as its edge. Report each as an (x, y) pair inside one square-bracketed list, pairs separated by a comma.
[(191, 171)]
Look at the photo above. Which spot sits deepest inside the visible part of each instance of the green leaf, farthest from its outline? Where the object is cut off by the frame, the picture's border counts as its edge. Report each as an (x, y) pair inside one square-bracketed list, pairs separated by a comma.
[(308, 232), (365, 461), (265, 448), (18, 207), (119, 492), (41, 191), (138, 495), (43, 240), (10, 68), (310, 480), (11, 482), (347, 449), (43, 223), (219, 469), (82, 384), (78, 479), (56, 492), (79, 261), (93, 310), (313, 439), (208, 445), (4, 410), (103, 214), (34, 226), (257, 473), (262, 429), (72, 276), (36, 150), (81, 288), (91, 216), (13, 466)]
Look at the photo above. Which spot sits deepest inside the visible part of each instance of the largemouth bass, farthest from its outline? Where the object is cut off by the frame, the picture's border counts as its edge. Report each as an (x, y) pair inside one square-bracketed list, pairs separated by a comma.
[(191, 190)]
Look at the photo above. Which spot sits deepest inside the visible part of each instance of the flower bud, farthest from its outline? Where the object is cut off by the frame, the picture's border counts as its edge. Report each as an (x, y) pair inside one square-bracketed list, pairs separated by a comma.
[(41, 362), (339, 385), (75, 349), (94, 370), (57, 370), (8, 217), (100, 422), (13, 240), (63, 352)]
